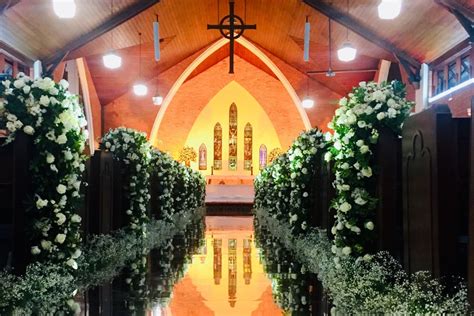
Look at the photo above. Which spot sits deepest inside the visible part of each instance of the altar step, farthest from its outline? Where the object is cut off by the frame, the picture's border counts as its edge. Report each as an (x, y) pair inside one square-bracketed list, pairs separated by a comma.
[(230, 200), (228, 209)]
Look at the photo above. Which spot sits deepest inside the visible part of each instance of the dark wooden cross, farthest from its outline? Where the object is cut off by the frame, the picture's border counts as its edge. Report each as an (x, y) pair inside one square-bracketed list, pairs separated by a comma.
[(235, 27)]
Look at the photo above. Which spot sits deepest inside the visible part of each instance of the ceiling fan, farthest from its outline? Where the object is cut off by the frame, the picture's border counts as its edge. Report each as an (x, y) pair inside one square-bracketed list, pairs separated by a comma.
[(330, 72)]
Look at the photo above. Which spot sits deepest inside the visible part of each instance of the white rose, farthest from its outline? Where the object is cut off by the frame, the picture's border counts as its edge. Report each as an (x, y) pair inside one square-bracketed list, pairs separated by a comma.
[(61, 189), (381, 116), (369, 225), (19, 83), (28, 130), (391, 103), (345, 207), (391, 113), (360, 143), (72, 263), (62, 139), (60, 238), (355, 229), (305, 194), (26, 89), (362, 124), (44, 100), (76, 254), (46, 244), (67, 155), (364, 149), (63, 83), (41, 203), (61, 218), (345, 166), (366, 172), (346, 250), (35, 250), (76, 218), (327, 156), (360, 201), (49, 158)]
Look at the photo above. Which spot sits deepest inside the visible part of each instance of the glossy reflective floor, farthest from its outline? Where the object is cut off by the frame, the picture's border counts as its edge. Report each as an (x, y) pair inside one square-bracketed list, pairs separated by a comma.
[(226, 277), (204, 270)]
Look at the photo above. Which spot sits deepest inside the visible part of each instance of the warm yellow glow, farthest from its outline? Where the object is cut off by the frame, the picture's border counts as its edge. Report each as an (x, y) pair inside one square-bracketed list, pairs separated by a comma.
[(248, 111), (201, 58), (248, 295)]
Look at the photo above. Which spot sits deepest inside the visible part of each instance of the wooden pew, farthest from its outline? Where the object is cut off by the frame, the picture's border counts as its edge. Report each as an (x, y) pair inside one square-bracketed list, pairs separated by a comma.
[(434, 192), (105, 197), (15, 188), (389, 220)]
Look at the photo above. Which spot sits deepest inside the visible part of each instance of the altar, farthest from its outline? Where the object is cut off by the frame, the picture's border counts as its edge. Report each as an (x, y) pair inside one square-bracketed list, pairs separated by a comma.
[(230, 180)]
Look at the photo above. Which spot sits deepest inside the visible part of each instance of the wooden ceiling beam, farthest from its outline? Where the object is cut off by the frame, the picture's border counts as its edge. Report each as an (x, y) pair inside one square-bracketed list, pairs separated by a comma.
[(116, 20), (463, 14), (7, 4), (357, 27)]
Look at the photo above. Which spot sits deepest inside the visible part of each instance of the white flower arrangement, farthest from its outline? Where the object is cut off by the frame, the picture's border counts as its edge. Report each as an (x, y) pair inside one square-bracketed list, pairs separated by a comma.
[(136, 153), (46, 111), (180, 188), (369, 285), (367, 109), (285, 186)]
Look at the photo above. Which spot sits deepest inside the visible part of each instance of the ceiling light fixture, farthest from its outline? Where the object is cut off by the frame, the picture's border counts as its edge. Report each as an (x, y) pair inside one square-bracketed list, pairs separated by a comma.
[(140, 89), (112, 60), (157, 100), (347, 52), (65, 9), (389, 9), (307, 102)]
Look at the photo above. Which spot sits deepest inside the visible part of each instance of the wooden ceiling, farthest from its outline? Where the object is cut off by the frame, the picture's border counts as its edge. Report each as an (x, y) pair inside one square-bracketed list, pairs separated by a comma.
[(423, 30)]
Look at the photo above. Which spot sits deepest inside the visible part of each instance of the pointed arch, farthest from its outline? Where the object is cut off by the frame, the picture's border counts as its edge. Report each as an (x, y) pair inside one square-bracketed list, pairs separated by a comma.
[(233, 137), (248, 139), (262, 157), (203, 157), (217, 147), (208, 52)]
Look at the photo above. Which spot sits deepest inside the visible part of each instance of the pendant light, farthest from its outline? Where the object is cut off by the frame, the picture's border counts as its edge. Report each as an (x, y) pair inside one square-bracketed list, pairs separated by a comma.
[(307, 32), (139, 88), (307, 102), (389, 9), (65, 9), (112, 60), (347, 52)]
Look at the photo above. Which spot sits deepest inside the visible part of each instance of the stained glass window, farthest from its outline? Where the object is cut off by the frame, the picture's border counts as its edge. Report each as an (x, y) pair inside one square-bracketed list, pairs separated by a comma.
[(248, 147), (452, 75), (218, 147), (233, 137), (202, 157), (263, 156), (465, 68), (440, 81)]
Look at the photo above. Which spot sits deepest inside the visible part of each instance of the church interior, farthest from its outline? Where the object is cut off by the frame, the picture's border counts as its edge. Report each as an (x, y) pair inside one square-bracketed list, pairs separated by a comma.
[(236, 157)]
